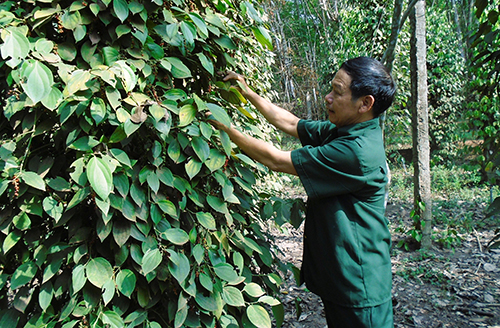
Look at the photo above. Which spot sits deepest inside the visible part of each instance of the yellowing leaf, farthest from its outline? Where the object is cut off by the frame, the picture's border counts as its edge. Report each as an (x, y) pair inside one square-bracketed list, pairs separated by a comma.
[(77, 82), (98, 271), (187, 114)]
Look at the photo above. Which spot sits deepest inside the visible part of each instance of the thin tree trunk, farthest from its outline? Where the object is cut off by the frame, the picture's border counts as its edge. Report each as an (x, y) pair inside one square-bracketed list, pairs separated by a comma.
[(420, 123), (390, 53), (397, 24)]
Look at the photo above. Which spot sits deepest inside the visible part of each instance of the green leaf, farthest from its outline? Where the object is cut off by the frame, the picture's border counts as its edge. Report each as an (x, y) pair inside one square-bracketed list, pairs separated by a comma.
[(207, 303), (178, 69), (206, 220), (121, 156), (53, 99), (39, 81), (279, 314), (16, 46), (111, 55), (79, 32), (84, 143), (100, 177), (168, 207), (98, 271), (176, 236), (11, 240), (187, 114), (217, 204), (121, 184), (225, 42), (258, 316), (113, 319), (53, 208), (23, 274), (108, 291), (254, 290), (22, 221), (52, 269), (77, 81), (78, 197), (269, 300), (45, 295), (32, 179), (165, 176), (233, 296), (226, 143), (153, 182), (189, 32), (125, 281), (121, 231), (215, 161), (9, 318), (201, 148), (180, 317), (154, 49), (200, 24), (104, 206), (178, 266), (127, 75), (199, 253), (193, 167), (67, 51), (70, 20), (206, 282), (219, 114), (78, 278), (136, 7), (98, 110), (151, 260), (122, 30), (262, 35), (121, 9), (226, 272), (138, 194)]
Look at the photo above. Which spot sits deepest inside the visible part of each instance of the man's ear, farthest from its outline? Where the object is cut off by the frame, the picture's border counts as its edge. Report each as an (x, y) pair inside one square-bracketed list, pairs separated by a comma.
[(367, 104)]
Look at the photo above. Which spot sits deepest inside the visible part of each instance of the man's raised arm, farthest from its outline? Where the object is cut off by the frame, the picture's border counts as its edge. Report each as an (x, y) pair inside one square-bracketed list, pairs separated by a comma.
[(277, 116)]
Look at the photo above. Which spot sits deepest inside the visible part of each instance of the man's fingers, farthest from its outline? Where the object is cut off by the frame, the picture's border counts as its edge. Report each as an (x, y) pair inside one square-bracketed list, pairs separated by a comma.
[(230, 75)]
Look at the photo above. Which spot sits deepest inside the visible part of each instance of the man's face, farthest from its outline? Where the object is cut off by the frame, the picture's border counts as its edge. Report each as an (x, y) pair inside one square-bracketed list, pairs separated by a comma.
[(342, 110)]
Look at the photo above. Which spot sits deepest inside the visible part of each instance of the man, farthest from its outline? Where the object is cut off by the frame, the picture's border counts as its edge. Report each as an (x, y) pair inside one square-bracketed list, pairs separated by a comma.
[(343, 169)]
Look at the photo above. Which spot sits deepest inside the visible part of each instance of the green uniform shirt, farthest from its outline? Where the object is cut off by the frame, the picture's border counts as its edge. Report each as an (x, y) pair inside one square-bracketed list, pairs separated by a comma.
[(346, 239)]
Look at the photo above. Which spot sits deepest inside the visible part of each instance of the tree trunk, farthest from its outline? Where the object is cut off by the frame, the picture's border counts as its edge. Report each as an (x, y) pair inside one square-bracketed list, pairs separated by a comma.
[(420, 123), (397, 25), (390, 52)]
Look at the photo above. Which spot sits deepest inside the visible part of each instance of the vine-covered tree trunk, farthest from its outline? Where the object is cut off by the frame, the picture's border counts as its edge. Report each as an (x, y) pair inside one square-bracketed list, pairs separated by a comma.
[(420, 123)]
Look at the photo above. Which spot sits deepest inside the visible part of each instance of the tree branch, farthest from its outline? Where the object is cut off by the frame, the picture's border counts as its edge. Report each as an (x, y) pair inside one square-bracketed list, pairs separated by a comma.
[(407, 13)]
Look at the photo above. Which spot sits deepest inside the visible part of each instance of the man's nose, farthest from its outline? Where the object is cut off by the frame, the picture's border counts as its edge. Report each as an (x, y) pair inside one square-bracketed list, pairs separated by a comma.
[(329, 98)]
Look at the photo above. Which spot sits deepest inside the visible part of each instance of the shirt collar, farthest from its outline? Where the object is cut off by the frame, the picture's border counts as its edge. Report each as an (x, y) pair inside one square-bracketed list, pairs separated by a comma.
[(354, 128)]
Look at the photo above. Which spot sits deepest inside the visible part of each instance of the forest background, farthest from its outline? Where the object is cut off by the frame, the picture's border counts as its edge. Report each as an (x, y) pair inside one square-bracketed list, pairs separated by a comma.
[(119, 201)]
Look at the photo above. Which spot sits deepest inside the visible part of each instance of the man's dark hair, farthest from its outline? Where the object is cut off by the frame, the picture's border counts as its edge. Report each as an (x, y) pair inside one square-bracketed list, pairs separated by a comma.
[(370, 77)]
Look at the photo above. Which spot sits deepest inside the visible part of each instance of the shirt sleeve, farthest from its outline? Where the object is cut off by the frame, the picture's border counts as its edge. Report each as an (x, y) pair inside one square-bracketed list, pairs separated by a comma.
[(329, 170), (315, 132)]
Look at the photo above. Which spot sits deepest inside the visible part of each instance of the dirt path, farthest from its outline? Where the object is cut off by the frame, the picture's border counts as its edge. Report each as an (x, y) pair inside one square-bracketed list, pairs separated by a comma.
[(457, 287)]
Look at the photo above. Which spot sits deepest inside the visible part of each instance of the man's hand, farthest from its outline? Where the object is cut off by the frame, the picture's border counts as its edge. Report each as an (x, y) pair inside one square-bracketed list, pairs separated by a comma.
[(240, 83), (216, 124)]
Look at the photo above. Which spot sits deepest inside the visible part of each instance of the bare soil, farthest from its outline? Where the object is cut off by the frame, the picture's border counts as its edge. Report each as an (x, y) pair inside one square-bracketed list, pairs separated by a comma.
[(456, 286)]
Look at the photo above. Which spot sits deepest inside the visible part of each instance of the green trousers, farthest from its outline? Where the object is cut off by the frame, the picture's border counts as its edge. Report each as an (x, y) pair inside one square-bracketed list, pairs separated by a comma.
[(379, 316)]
